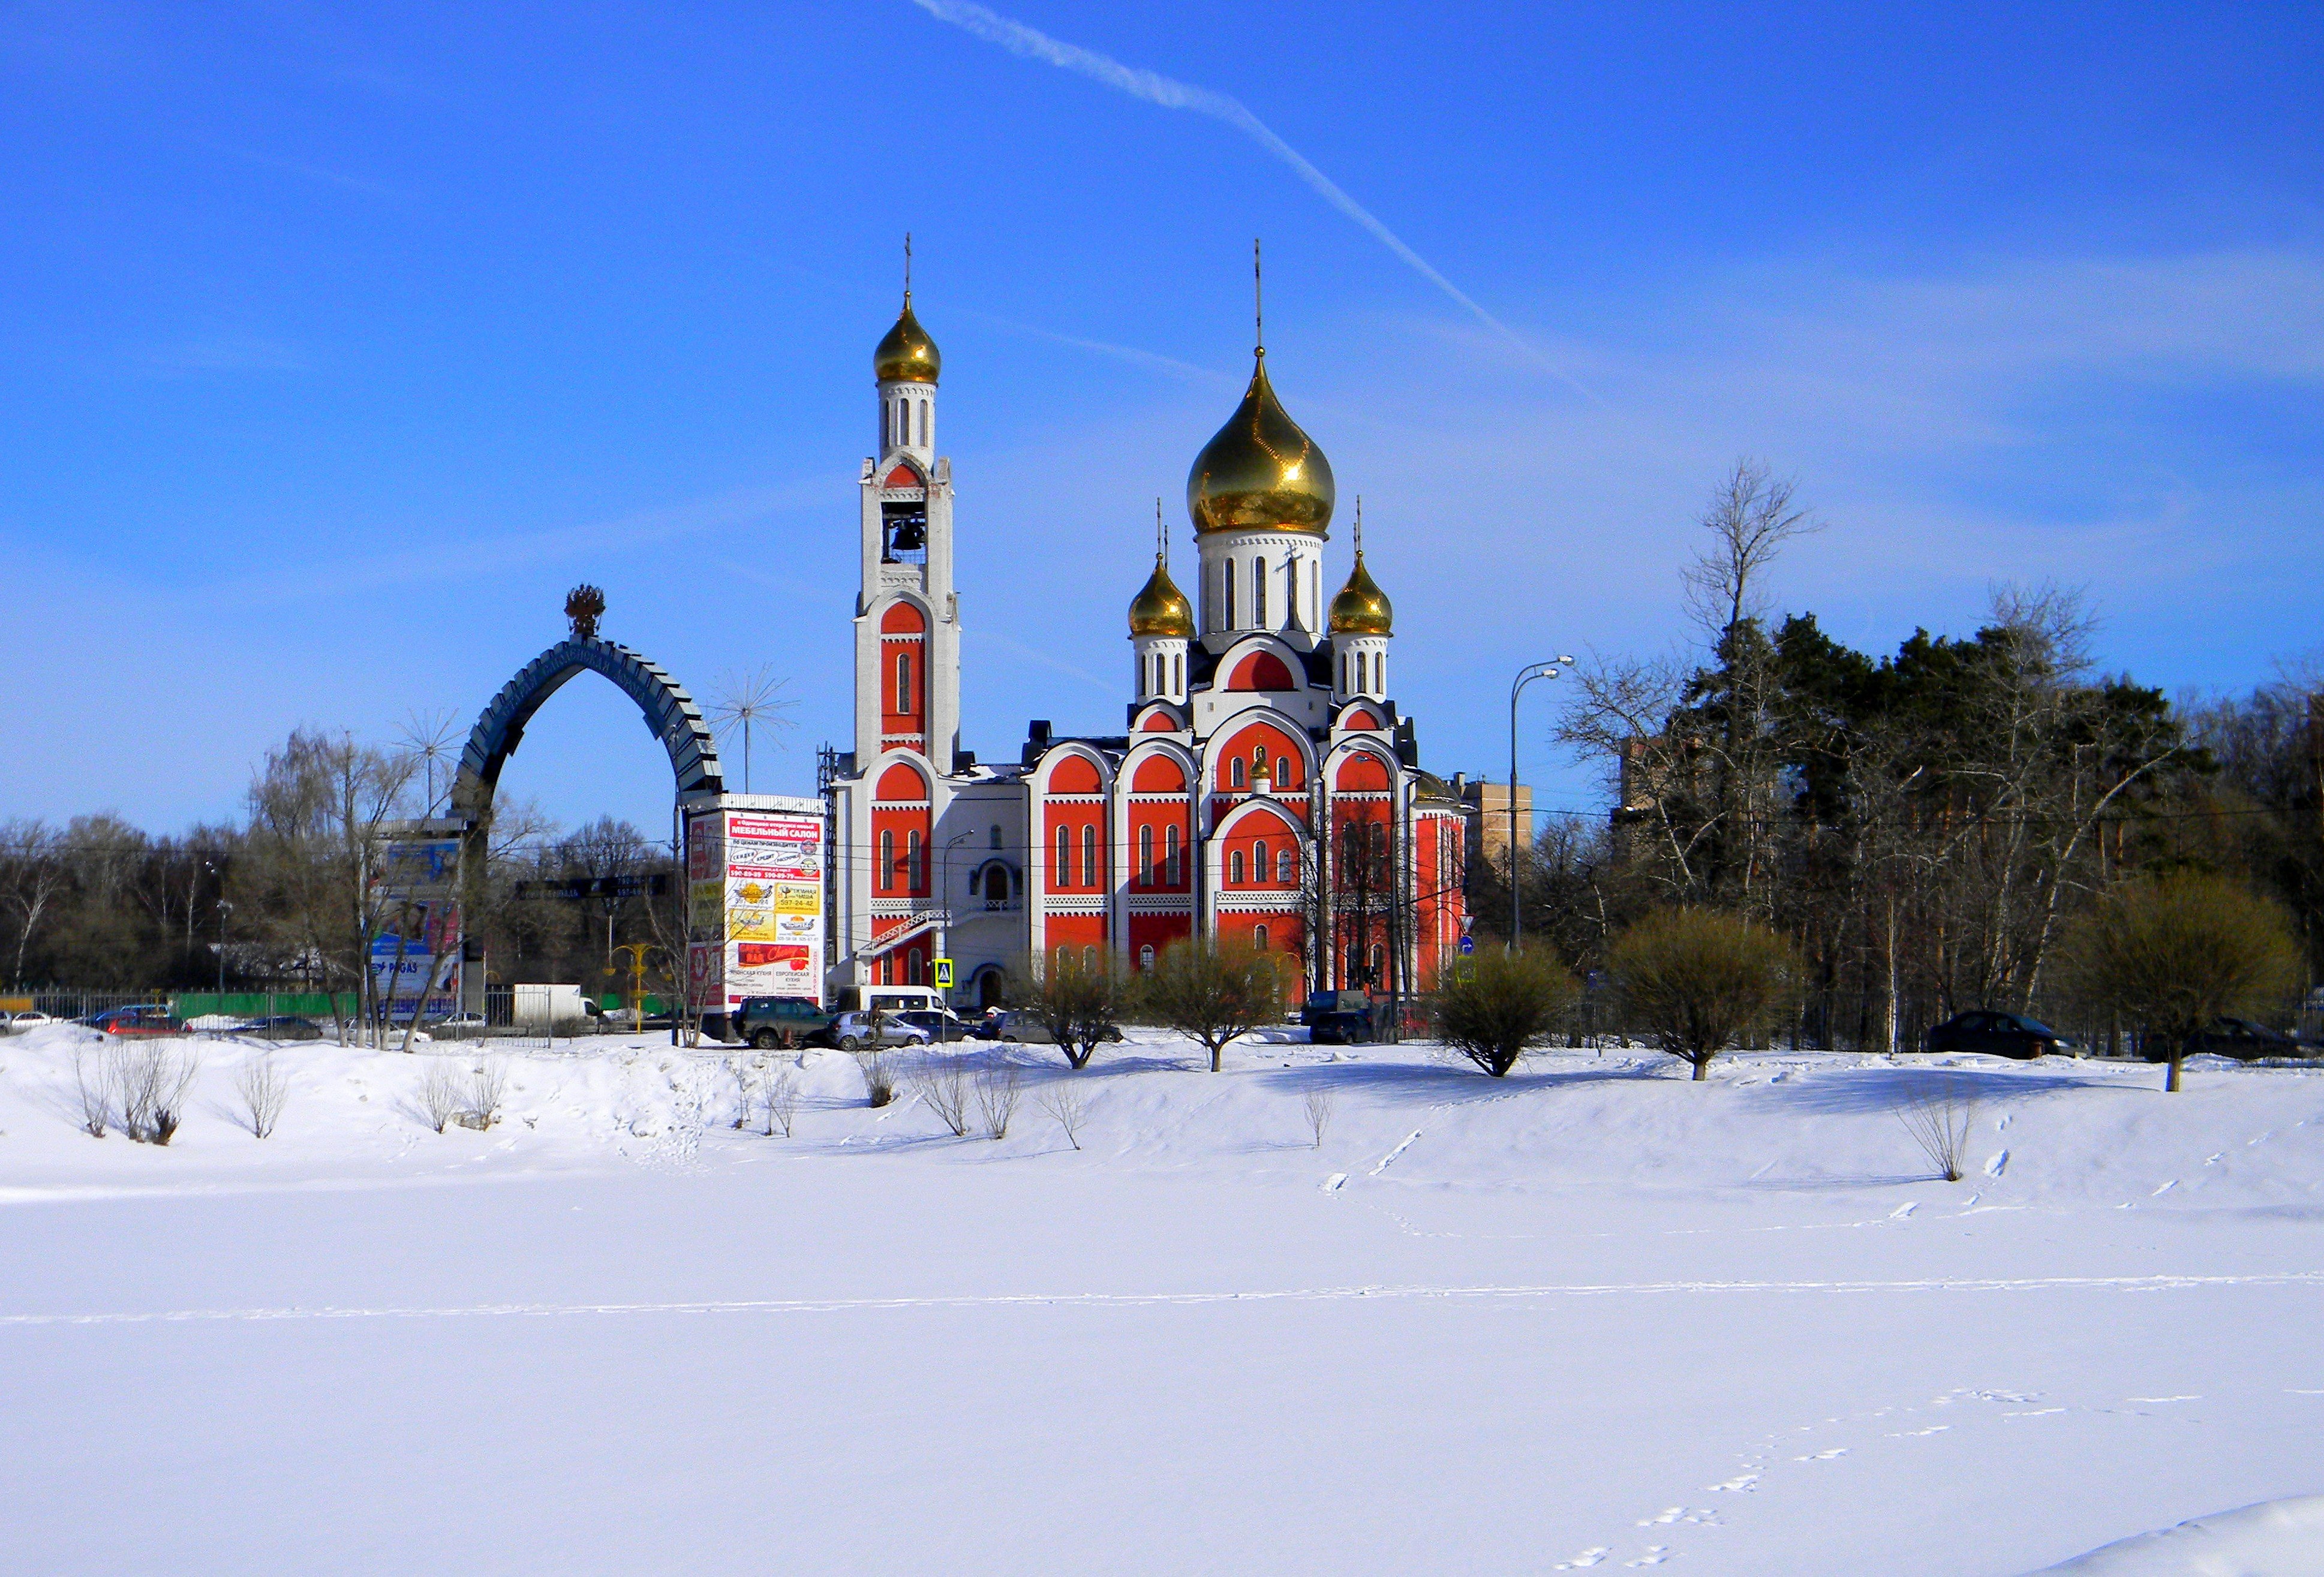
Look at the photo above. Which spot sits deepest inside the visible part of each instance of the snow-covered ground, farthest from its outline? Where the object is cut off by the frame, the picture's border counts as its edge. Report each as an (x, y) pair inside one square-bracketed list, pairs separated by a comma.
[(1593, 1316)]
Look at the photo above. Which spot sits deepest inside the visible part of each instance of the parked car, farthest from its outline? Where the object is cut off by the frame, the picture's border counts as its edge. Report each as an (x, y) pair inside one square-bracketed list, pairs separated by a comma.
[(1025, 1029), (2235, 1038), (940, 1025), (857, 1031), (2001, 1034), (768, 1022), (1342, 1018), (282, 1027), (17, 1023), (144, 1018), (462, 1024)]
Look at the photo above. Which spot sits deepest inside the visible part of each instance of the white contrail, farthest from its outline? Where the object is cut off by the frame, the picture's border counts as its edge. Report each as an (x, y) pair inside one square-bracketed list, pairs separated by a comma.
[(1156, 88)]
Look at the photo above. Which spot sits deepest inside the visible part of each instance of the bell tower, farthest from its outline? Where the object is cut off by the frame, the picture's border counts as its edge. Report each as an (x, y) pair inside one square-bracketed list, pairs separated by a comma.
[(907, 614)]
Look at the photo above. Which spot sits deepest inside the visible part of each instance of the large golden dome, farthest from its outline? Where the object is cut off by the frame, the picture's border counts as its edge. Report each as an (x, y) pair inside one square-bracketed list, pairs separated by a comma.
[(1161, 608), (1361, 608), (907, 353), (1260, 472)]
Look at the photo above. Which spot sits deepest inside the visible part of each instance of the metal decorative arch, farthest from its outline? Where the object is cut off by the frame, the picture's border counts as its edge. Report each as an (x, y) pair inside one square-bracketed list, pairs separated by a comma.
[(670, 715)]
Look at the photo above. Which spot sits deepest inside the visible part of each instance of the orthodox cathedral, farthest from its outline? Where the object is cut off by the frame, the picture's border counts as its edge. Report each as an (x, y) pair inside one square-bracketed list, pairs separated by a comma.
[(1267, 789)]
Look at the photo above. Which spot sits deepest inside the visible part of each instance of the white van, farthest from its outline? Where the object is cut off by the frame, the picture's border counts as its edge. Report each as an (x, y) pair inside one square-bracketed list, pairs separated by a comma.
[(902, 999)]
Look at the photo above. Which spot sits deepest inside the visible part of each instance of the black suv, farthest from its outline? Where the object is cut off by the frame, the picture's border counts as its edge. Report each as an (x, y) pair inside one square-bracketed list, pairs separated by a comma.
[(2004, 1033), (768, 1022), (1340, 1018)]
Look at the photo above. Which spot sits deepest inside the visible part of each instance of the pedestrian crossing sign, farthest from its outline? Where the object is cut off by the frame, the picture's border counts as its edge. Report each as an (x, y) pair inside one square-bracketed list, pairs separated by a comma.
[(944, 974)]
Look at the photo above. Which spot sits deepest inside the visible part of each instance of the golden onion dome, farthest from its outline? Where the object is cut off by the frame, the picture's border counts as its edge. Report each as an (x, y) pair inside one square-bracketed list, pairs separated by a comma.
[(907, 354), (1161, 608), (1260, 472), (1361, 608)]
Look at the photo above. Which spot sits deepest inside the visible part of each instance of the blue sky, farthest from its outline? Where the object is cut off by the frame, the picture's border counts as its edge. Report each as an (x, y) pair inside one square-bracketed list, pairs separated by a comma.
[(337, 343)]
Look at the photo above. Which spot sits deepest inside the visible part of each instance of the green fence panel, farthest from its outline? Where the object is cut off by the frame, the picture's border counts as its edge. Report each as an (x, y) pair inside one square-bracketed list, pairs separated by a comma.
[(260, 1004)]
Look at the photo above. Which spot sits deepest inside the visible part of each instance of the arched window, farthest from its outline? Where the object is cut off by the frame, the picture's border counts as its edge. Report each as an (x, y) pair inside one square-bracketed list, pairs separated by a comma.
[(1226, 576), (887, 969), (1179, 676), (1236, 872), (1259, 938), (1282, 772), (919, 869), (1062, 875), (924, 424), (903, 681), (1234, 773), (1146, 956), (996, 885), (1315, 593), (1379, 961), (1170, 857), (1287, 866), (996, 838), (1259, 861), (887, 862), (1145, 873), (1089, 855), (1258, 592), (1343, 672), (914, 962)]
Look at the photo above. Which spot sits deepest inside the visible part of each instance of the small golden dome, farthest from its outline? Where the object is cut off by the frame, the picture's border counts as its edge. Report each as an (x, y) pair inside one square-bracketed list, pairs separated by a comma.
[(1260, 472), (1361, 608), (1161, 609), (907, 353)]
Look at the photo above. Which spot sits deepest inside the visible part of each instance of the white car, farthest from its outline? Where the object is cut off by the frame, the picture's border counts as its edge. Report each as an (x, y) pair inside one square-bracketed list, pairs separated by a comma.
[(20, 1023), (855, 1031)]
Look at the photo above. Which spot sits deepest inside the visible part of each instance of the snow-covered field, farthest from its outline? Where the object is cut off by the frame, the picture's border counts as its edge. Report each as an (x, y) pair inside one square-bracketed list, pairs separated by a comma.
[(1593, 1316)]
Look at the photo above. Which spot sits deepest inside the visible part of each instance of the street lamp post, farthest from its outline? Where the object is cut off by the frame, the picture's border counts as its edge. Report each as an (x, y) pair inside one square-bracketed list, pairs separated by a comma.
[(1526, 676), (944, 907)]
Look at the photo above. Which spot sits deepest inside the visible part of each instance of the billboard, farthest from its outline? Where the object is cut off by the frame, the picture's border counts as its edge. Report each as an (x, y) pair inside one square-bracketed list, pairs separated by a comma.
[(420, 927), (754, 900)]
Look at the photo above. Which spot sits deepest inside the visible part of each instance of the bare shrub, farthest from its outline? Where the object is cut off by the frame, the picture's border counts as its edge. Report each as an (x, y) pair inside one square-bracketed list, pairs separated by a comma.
[(1319, 1114), (1695, 981), (1939, 1120), (93, 1083), (997, 1091), (264, 1088), (486, 1083), (150, 1080), (1491, 1007), (943, 1083), (782, 1099), (1064, 1101), (747, 1082), (440, 1094), (879, 1078)]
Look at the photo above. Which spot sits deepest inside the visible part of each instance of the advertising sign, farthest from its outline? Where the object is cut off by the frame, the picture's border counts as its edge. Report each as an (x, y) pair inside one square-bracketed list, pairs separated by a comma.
[(755, 900), (419, 927)]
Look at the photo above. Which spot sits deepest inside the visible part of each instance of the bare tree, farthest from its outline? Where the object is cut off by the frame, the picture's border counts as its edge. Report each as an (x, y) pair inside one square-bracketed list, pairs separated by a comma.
[(1064, 1100), (1213, 992), (1696, 982), (33, 873), (783, 1097), (1319, 1114), (264, 1088), (93, 1083)]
